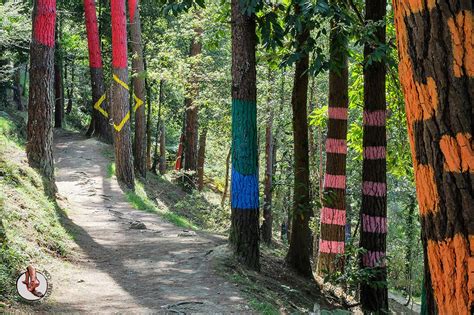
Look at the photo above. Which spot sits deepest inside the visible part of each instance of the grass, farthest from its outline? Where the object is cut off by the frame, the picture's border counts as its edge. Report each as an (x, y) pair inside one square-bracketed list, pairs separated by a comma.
[(110, 169), (30, 226), (139, 200)]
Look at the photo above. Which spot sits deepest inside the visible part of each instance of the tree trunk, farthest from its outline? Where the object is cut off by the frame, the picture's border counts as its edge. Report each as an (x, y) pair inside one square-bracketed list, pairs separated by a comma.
[(436, 53), (201, 158), (17, 90), (138, 79), (266, 229), (148, 121), (244, 235), (162, 166), (333, 213), (373, 214), (23, 92), (70, 89), (120, 96), (300, 243), (191, 117), (41, 98), (156, 158), (58, 78), (99, 126), (226, 180)]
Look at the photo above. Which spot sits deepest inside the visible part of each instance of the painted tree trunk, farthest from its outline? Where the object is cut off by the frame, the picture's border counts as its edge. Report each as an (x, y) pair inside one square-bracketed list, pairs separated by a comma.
[(436, 52), (299, 252), (201, 158), (17, 90), (138, 80), (244, 235), (373, 214), (41, 97), (333, 213), (120, 96), (99, 126), (191, 119), (179, 156), (266, 229)]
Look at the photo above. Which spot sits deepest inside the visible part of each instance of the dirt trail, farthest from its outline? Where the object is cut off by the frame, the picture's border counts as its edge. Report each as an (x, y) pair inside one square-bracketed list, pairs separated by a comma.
[(121, 269)]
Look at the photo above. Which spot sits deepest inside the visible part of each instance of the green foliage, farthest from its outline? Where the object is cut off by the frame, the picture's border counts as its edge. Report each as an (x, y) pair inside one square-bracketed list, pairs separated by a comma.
[(30, 223)]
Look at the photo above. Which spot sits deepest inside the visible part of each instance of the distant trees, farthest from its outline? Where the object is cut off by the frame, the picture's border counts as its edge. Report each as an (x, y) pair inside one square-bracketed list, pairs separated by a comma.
[(373, 214), (120, 96), (244, 235), (138, 79), (41, 98), (436, 70)]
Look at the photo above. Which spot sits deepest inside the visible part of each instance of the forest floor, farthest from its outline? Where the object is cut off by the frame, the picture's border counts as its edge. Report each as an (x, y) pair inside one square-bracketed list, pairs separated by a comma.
[(127, 260)]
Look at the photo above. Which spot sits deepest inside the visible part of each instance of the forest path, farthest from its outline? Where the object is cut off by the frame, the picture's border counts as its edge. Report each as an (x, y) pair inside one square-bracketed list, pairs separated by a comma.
[(119, 268)]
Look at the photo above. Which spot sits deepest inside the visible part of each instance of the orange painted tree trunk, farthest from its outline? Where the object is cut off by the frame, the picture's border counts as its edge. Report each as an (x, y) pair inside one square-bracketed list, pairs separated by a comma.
[(138, 80), (436, 51), (120, 96), (100, 120), (41, 98)]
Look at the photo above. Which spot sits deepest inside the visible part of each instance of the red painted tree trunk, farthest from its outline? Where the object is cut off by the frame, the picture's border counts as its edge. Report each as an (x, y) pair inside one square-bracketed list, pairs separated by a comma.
[(373, 235), (120, 96), (436, 52), (99, 123), (138, 80), (41, 98)]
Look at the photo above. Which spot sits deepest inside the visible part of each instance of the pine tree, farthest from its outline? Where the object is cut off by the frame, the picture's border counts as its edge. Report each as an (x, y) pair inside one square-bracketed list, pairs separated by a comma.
[(299, 252), (436, 52), (373, 236), (244, 235), (100, 118), (333, 213), (41, 97), (120, 96)]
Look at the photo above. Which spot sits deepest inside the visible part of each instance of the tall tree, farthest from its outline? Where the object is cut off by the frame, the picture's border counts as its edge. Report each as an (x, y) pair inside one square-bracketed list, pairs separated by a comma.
[(244, 235), (41, 98), (373, 214), (266, 229), (58, 77), (17, 89), (138, 80), (191, 116), (99, 125), (333, 213), (436, 53), (299, 252), (120, 96), (201, 158)]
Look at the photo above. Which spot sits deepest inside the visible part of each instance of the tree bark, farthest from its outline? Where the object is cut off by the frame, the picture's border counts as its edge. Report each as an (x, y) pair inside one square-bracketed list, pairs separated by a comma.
[(373, 233), (190, 143), (436, 68), (120, 96), (244, 235), (41, 98), (17, 90), (148, 121), (99, 125), (333, 213), (138, 79), (299, 253), (201, 158), (162, 162), (266, 229), (226, 180)]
